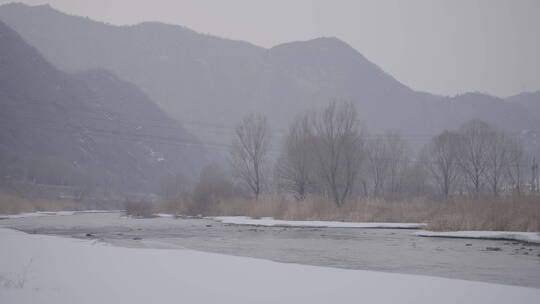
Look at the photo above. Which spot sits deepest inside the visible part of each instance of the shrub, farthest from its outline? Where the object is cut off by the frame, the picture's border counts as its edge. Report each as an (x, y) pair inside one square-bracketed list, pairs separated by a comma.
[(138, 209)]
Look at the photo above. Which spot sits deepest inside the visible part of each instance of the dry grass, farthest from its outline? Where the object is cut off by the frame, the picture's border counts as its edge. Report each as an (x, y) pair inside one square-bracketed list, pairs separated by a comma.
[(11, 204), (317, 208), (513, 214), (313, 208)]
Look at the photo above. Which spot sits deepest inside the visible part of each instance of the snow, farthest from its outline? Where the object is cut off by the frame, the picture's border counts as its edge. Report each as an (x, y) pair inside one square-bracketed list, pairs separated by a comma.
[(51, 213), (34, 214), (268, 221), (531, 237), (165, 215), (50, 269)]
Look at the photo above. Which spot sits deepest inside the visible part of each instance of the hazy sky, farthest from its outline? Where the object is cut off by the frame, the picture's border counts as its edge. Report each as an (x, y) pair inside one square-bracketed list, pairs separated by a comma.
[(443, 47)]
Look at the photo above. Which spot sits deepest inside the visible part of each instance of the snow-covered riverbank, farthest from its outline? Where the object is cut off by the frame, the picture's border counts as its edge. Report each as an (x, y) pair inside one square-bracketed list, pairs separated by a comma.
[(51, 213), (531, 237), (47, 269), (268, 221)]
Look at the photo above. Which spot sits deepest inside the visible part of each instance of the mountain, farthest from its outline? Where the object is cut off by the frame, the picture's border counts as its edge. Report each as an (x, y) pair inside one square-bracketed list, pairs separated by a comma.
[(528, 100), (83, 129), (209, 83)]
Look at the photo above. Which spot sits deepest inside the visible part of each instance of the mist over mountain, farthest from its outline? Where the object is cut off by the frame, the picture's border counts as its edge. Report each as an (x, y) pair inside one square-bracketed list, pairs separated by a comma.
[(209, 80), (135, 159), (84, 129)]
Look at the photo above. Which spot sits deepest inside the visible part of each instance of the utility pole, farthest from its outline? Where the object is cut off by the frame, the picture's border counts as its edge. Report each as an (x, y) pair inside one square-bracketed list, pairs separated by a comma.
[(534, 169)]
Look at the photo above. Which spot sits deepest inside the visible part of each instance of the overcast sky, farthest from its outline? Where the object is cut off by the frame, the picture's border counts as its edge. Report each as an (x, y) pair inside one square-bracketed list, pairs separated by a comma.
[(443, 47)]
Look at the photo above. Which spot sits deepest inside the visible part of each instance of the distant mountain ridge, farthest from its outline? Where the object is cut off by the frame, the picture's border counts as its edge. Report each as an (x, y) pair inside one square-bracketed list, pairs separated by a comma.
[(84, 129), (210, 80)]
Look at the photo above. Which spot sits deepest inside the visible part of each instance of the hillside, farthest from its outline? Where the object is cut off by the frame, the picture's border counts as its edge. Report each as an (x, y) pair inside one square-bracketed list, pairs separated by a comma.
[(85, 129), (209, 83)]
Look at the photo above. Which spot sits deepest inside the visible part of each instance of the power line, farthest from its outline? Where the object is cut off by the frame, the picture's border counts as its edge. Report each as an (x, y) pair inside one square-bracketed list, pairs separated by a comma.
[(220, 127), (112, 117)]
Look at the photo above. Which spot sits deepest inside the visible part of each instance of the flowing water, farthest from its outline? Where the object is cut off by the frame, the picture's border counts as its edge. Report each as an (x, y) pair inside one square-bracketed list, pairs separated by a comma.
[(390, 250)]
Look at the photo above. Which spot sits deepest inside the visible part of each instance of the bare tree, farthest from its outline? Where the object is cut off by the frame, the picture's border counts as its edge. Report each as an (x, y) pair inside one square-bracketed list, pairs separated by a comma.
[(515, 164), (444, 161), (294, 168), (377, 156), (249, 152), (387, 159), (496, 160), (416, 176), (339, 149), (534, 179), (397, 161), (474, 152)]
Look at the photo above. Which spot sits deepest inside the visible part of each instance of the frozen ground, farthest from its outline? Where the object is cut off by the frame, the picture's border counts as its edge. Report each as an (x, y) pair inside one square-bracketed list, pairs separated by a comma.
[(268, 221), (50, 213), (388, 250), (48, 269), (532, 237)]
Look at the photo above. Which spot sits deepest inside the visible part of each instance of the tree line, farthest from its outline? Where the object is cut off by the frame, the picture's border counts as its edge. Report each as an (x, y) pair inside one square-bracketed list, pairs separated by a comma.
[(329, 152)]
